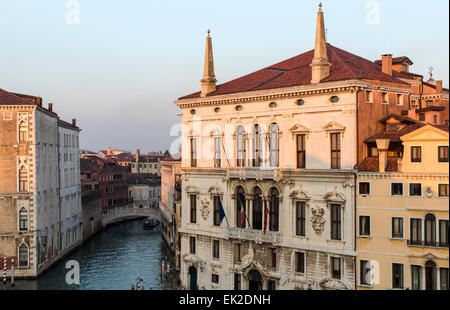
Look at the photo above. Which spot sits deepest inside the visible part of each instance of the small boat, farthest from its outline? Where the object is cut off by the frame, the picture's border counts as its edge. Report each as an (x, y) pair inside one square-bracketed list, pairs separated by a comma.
[(150, 223)]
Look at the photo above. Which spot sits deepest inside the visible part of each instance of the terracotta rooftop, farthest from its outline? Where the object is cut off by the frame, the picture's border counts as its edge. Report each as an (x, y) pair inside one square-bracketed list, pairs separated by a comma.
[(144, 178), (397, 60), (297, 71), (370, 164), (67, 124)]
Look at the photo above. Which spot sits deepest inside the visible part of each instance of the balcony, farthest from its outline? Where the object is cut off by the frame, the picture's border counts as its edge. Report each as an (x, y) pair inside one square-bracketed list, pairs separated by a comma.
[(254, 235), (252, 174), (429, 244)]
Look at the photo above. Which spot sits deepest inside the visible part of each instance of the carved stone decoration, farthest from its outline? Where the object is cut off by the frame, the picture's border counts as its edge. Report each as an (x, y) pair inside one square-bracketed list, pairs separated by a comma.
[(335, 196), (205, 209), (318, 220), (429, 192), (332, 284)]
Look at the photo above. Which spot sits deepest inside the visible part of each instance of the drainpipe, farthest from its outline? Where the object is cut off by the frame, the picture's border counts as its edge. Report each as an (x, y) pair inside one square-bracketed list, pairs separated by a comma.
[(355, 179)]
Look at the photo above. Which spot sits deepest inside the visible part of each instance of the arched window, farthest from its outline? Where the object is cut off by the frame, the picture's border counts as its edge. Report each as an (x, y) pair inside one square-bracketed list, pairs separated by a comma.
[(23, 219), (240, 207), (274, 145), (23, 255), (430, 229), (256, 146), (257, 209), (23, 180), (274, 209), (240, 146)]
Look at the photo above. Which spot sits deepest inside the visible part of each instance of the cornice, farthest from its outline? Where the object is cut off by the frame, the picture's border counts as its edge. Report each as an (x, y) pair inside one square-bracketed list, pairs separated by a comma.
[(399, 175), (287, 92)]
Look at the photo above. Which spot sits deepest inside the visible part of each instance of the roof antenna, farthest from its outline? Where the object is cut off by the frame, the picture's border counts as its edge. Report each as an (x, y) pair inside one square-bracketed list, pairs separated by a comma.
[(431, 72)]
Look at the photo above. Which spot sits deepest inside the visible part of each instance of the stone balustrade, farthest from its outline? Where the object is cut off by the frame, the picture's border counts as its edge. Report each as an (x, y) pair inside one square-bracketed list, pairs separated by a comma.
[(254, 235)]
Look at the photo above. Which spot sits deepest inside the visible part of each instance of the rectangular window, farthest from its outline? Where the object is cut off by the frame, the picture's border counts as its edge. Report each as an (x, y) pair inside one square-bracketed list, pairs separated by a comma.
[(416, 154), (443, 154), (193, 152), (416, 277), (193, 209), (215, 278), (397, 275), (237, 281), (422, 117), (364, 269), (443, 190), (300, 218), (271, 285), (443, 233), (368, 96), (237, 252), (335, 222), (336, 268), (192, 245), (397, 227), (273, 258), (300, 262), (216, 211), (399, 99), (216, 249), (415, 189), (444, 278), (397, 189), (364, 188), (217, 152), (416, 231), (301, 151), (335, 151), (364, 225), (384, 97)]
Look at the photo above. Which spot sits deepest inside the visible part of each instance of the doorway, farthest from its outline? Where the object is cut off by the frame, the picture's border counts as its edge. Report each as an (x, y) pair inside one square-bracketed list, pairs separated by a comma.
[(192, 278), (255, 280), (430, 275)]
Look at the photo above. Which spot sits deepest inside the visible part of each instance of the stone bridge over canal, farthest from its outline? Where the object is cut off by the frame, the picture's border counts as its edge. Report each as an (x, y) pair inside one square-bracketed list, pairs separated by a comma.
[(128, 213)]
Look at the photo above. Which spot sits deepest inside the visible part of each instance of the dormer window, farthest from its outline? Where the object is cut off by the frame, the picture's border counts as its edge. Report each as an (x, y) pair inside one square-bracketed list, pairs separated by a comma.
[(392, 127), (405, 68)]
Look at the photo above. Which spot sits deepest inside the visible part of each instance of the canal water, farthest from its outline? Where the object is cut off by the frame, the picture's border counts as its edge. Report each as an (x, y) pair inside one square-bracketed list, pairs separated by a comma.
[(112, 260)]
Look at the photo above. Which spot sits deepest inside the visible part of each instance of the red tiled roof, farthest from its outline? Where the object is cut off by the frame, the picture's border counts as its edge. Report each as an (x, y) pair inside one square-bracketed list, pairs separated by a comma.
[(397, 60), (64, 123), (297, 71), (370, 164), (7, 98)]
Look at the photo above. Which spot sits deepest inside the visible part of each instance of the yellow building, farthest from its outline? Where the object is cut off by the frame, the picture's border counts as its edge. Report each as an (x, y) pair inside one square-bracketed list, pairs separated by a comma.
[(403, 206)]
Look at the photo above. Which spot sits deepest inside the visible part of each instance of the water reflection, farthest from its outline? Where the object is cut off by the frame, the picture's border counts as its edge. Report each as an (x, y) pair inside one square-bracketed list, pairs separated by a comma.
[(111, 260)]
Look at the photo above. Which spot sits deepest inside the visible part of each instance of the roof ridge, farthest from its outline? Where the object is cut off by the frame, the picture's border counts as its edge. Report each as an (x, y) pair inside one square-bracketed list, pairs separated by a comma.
[(341, 60)]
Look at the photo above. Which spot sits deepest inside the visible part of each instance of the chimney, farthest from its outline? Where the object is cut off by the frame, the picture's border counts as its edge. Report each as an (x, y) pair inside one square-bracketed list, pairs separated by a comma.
[(50, 107), (386, 64), (74, 122), (383, 146), (439, 87)]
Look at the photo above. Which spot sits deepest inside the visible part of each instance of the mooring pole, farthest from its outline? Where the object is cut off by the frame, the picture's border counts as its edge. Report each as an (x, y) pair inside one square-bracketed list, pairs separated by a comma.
[(12, 272), (4, 270)]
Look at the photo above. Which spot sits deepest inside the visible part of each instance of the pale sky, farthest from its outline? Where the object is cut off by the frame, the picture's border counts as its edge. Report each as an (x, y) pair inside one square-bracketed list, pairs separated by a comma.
[(121, 68)]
